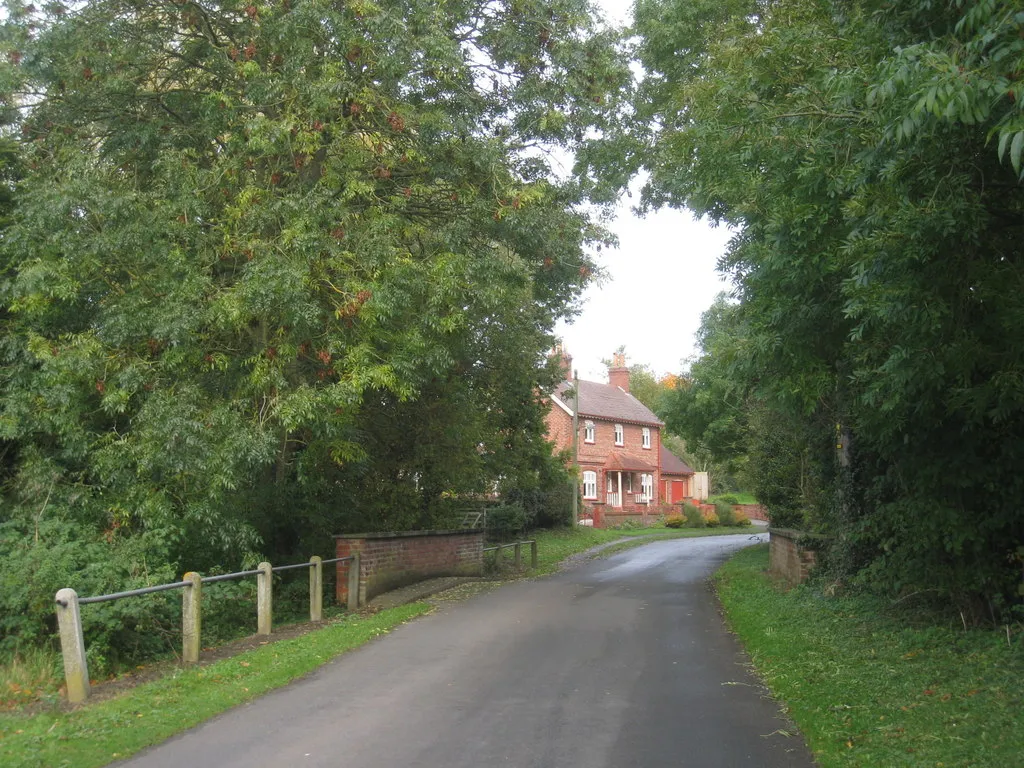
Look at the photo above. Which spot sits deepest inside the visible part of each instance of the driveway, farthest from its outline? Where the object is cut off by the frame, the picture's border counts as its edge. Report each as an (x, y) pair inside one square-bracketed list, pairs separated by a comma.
[(617, 662)]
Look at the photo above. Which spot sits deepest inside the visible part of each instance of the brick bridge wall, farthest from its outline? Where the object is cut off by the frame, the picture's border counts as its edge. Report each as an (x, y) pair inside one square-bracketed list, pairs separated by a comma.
[(791, 555), (392, 560)]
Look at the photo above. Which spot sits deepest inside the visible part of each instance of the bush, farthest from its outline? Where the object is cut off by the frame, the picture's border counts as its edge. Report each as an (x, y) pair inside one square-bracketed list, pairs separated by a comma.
[(725, 513), (675, 521), (551, 508), (711, 519), (741, 519), (727, 498), (694, 519), (505, 521)]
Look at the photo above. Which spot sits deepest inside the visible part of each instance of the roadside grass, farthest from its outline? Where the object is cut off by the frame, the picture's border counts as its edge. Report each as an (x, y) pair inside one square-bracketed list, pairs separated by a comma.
[(870, 687), (99, 733), (28, 676)]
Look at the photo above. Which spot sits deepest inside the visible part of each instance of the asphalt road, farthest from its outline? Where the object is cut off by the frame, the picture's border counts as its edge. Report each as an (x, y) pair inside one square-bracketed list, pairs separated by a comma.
[(619, 662)]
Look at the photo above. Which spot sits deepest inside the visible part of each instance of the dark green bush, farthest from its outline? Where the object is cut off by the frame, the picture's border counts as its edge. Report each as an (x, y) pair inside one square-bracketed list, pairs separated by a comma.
[(506, 521), (728, 498)]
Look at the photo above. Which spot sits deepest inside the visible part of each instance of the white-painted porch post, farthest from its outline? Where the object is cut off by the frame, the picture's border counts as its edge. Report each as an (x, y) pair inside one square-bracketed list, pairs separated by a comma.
[(620, 489)]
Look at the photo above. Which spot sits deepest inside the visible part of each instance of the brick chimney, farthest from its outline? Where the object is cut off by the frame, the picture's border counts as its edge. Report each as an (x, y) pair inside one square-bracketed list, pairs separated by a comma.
[(564, 361), (618, 374)]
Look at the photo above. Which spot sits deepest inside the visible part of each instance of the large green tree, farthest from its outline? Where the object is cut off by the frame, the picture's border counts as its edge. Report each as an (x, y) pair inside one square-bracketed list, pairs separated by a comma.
[(869, 155), (278, 269)]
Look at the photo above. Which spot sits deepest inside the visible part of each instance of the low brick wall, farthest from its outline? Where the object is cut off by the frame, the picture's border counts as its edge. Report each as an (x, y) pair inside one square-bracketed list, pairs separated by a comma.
[(392, 560), (791, 554), (753, 511)]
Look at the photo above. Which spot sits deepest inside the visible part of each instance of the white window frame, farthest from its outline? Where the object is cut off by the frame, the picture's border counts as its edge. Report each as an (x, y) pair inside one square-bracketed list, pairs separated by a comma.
[(589, 484), (629, 482), (620, 435), (645, 439), (647, 486), (588, 432)]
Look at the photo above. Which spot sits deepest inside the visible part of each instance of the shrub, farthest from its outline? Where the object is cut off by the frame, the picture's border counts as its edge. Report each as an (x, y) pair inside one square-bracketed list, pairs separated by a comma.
[(711, 519), (740, 518), (694, 519), (505, 521), (675, 521), (725, 513), (727, 498)]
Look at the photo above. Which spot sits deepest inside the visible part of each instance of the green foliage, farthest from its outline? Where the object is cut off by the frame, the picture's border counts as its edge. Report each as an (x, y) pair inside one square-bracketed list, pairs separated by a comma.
[(675, 521), (693, 516), (270, 276), (506, 521), (708, 408), (724, 511), (868, 156), (724, 498)]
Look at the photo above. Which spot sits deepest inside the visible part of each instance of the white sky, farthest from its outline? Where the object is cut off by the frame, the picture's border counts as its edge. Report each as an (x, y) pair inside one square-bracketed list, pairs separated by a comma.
[(659, 281)]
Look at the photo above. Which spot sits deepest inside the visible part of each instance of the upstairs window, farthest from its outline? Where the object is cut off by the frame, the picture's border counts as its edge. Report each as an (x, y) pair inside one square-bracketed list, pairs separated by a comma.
[(645, 439), (588, 432), (620, 435), (590, 485)]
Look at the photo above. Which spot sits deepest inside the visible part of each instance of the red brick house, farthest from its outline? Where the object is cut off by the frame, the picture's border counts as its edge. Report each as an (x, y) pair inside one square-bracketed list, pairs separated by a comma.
[(618, 451)]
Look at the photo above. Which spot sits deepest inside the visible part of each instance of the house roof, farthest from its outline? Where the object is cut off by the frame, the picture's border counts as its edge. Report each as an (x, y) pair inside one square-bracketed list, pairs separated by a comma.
[(603, 401), (618, 462), (672, 464)]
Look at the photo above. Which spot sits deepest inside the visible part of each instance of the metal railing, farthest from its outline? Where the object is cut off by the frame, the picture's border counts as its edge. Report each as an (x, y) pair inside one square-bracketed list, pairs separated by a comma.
[(517, 548), (69, 619)]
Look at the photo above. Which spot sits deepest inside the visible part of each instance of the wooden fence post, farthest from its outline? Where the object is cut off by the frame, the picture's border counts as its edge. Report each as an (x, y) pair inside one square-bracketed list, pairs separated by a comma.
[(518, 552), (316, 588), (264, 599), (191, 617), (72, 645), (533, 554), (353, 582)]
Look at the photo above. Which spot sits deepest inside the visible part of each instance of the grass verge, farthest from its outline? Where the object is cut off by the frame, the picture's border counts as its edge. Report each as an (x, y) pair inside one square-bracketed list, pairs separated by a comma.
[(868, 687), (97, 734)]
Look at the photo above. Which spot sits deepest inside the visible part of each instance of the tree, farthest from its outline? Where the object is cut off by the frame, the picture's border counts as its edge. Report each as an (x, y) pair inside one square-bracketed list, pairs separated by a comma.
[(269, 257), (865, 152)]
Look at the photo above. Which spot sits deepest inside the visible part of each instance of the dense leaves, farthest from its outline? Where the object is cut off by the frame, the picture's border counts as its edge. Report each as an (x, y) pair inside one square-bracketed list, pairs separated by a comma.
[(866, 154), (279, 270)]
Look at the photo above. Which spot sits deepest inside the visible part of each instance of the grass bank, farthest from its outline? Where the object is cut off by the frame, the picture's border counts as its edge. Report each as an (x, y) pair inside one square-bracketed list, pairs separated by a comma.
[(870, 687), (105, 731)]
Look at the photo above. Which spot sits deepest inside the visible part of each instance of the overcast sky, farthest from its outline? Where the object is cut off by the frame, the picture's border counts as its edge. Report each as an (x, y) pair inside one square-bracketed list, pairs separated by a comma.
[(660, 279)]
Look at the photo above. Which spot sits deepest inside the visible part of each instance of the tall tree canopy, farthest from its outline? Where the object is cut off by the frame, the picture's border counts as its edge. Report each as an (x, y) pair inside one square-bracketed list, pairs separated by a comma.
[(870, 156), (276, 269)]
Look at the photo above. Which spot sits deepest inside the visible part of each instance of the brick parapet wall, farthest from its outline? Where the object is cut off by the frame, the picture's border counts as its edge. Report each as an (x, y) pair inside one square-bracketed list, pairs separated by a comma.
[(392, 560), (791, 554), (753, 511)]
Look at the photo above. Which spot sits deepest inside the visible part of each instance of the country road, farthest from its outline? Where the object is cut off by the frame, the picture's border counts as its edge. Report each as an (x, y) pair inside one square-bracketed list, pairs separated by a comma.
[(618, 662)]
